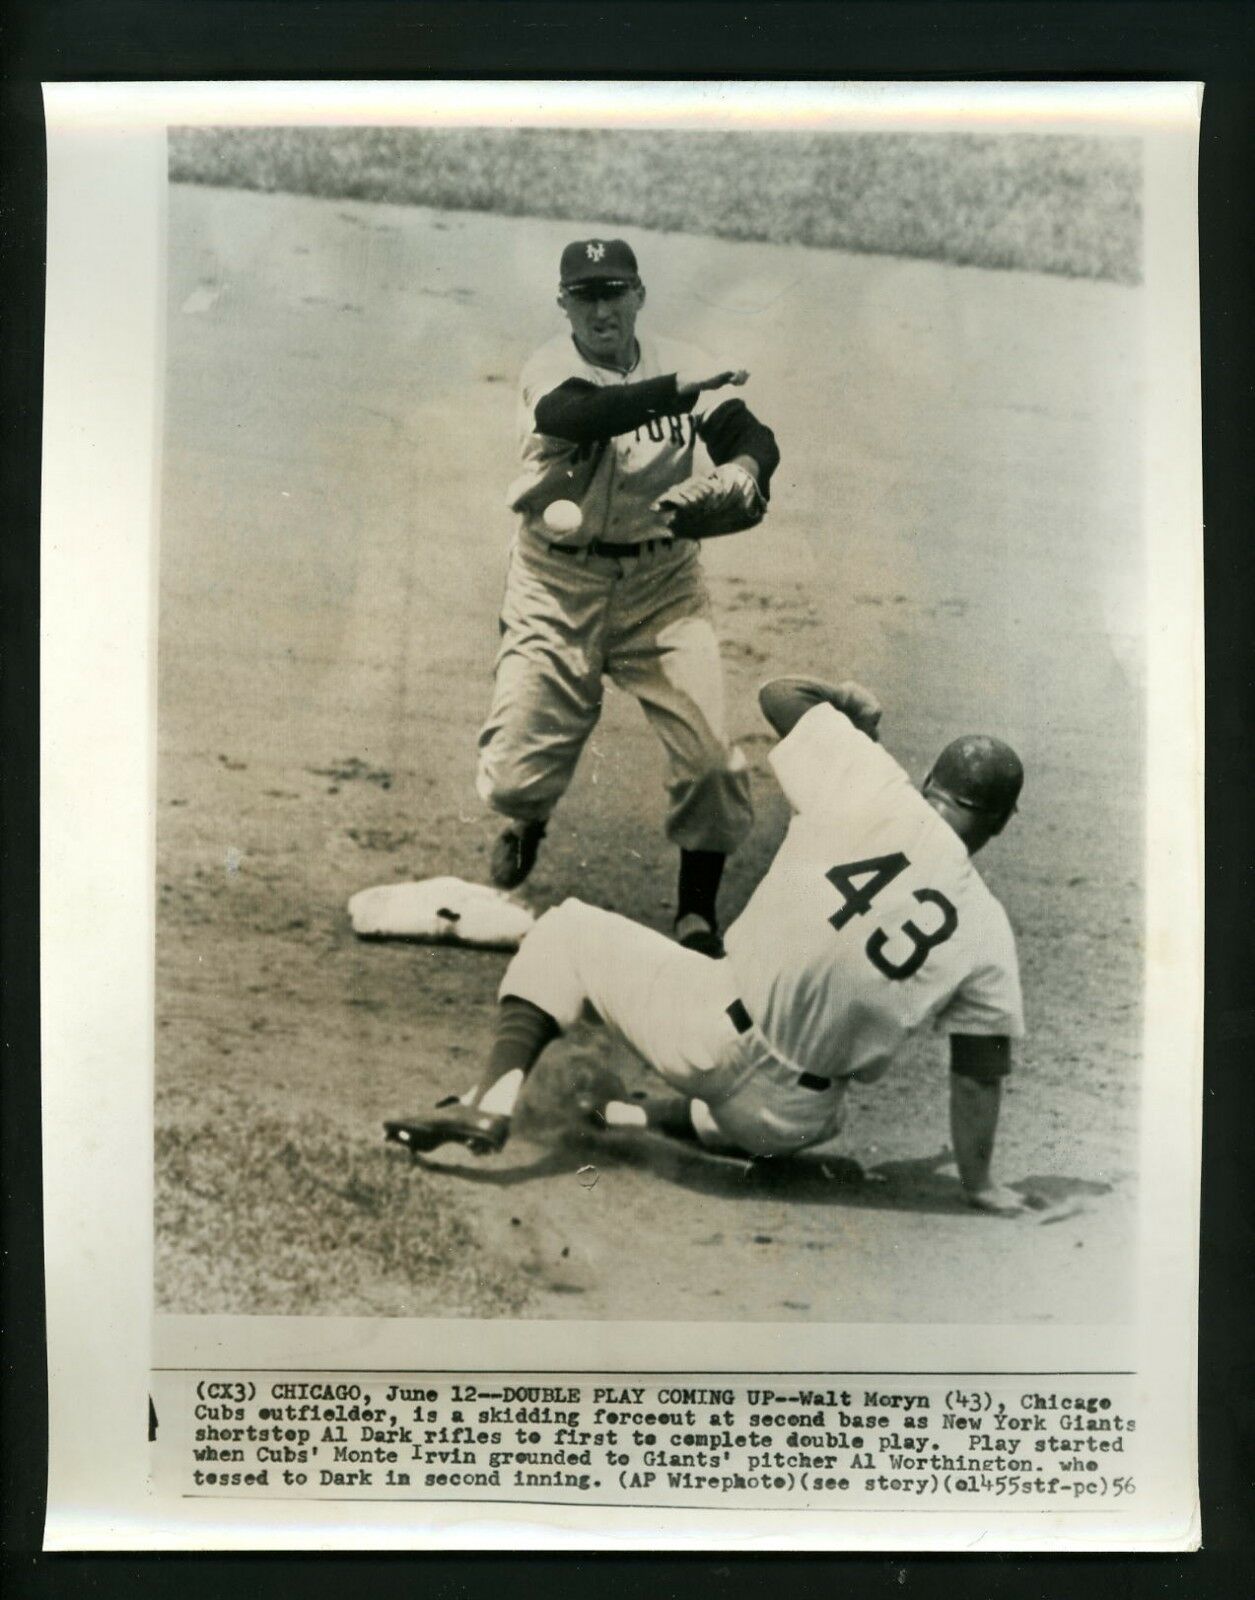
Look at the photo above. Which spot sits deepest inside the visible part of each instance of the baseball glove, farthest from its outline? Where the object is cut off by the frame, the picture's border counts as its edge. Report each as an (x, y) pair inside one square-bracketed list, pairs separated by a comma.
[(726, 500)]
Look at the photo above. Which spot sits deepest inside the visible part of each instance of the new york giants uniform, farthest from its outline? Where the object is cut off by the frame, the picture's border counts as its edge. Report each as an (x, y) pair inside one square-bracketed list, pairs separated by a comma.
[(613, 480), (871, 924), (640, 616)]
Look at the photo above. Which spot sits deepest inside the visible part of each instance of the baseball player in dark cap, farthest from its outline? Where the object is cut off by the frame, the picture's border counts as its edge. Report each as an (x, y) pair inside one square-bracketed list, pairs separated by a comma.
[(871, 924), (609, 420)]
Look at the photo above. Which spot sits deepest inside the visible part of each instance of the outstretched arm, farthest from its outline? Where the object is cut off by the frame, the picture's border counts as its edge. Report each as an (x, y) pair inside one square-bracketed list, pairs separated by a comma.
[(785, 701), (978, 1065), (582, 411)]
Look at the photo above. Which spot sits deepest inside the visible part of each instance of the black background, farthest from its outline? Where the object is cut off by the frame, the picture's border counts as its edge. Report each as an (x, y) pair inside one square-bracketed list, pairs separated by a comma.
[(120, 40)]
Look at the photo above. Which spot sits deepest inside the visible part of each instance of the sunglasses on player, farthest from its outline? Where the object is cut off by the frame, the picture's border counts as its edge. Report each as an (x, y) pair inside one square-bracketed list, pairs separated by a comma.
[(599, 289)]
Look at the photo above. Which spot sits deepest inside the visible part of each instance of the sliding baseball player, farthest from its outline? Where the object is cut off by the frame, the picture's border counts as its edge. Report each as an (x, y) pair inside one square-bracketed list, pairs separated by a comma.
[(871, 924)]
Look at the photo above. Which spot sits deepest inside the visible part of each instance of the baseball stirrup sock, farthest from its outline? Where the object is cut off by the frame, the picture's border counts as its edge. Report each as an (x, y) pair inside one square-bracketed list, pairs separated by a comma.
[(523, 1031), (622, 1114), (700, 875)]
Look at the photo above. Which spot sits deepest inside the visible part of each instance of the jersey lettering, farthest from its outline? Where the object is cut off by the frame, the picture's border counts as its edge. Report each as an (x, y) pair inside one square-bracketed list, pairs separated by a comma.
[(922, 941), (682, 428), (881, 870), (875, 874)]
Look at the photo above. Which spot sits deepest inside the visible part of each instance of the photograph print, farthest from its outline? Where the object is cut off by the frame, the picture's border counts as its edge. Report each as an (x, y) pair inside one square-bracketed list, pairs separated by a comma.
[(651, 731)]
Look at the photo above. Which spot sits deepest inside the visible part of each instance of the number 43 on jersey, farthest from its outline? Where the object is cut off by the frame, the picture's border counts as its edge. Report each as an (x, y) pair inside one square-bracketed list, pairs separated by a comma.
[(859, 882)]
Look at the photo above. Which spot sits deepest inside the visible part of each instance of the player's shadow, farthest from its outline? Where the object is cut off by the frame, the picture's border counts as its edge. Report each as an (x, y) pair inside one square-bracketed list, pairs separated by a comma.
[(504, 1172), (922, 1184), (813, 1178), (930, 1183)]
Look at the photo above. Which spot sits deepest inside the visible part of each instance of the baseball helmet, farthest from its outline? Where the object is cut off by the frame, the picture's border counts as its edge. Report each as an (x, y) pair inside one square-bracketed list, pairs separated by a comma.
[(979, 773)]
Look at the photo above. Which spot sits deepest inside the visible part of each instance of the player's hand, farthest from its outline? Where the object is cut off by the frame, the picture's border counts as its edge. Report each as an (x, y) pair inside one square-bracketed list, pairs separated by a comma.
[(687, 386), (860, 706), (998, 1200)]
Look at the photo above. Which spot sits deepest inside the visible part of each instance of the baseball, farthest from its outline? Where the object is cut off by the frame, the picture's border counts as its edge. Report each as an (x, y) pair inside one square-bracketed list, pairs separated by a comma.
[(562, 516)]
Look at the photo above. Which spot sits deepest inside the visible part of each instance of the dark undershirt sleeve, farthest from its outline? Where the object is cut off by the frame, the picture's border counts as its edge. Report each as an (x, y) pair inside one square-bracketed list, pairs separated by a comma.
[(582, 411), (983, 1058), (732, 429)]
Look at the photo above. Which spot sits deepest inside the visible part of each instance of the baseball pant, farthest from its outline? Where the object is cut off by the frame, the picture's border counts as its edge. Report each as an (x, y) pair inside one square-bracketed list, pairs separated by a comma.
[(676, 1010), (643, 621)]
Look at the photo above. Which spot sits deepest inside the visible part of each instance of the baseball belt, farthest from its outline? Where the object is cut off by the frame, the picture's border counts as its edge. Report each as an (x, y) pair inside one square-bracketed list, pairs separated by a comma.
[(613, 552), (743, 1022)]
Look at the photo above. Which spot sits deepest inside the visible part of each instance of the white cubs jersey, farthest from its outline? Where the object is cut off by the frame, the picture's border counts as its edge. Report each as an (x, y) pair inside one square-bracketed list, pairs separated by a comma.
[(613, 481), (872, 920)]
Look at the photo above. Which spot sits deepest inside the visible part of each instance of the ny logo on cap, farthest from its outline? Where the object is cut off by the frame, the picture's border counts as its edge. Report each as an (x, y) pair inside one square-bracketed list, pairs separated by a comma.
[(595, 250)]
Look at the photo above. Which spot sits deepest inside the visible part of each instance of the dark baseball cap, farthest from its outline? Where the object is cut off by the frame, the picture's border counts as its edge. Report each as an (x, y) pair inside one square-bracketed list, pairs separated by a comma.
[(598, 261)]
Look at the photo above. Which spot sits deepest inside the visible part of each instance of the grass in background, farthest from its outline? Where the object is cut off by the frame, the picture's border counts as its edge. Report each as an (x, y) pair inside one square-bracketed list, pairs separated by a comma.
[(267, 1216), (1039, 202)]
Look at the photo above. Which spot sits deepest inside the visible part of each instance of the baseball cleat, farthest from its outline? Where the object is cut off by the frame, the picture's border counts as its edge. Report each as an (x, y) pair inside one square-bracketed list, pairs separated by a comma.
[(514, 854), (484, 1133), (693, 932)]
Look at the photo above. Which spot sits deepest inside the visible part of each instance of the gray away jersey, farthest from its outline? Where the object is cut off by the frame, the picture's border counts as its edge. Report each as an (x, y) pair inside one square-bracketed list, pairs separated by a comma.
[(613, 481)]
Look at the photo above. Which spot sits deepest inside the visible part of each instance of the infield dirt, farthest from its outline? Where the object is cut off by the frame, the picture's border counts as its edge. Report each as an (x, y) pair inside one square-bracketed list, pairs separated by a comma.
[(955, 523)]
